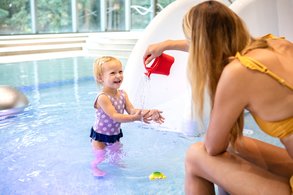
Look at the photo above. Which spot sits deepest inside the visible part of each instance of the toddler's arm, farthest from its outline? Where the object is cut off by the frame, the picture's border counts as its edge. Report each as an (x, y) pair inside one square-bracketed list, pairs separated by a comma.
[(147, 115), (105, 103)]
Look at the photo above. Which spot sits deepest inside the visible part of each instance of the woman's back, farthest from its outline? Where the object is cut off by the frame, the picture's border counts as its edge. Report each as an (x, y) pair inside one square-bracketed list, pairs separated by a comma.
[(269, 99)]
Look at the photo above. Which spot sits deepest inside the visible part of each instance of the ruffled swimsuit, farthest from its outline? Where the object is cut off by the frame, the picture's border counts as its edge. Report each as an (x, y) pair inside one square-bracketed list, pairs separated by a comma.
[(277, 129), (106, 129)]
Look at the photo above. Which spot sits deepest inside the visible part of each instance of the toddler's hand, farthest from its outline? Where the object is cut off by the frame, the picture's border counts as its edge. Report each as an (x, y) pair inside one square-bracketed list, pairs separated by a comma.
[(137, 115), (156, 116), (146, 117)]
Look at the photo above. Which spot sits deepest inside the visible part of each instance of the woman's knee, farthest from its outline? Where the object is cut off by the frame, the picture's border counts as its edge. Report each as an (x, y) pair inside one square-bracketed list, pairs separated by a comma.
[(194, 156)]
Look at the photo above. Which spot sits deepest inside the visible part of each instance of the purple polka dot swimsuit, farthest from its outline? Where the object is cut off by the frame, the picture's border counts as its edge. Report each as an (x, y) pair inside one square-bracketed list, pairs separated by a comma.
[(103, 123)]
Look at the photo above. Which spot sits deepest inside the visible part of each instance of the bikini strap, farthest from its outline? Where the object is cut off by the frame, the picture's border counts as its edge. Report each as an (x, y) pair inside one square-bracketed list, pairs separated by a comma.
[(271, 36), (255, 65)]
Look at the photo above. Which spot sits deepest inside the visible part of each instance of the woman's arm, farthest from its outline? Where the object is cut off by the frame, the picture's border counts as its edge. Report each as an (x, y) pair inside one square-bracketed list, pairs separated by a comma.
[(155, 50), (230, 100)]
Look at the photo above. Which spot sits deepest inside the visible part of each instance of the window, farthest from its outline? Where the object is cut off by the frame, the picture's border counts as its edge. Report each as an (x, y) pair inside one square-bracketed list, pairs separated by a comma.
[(64, 16), (15, 17)]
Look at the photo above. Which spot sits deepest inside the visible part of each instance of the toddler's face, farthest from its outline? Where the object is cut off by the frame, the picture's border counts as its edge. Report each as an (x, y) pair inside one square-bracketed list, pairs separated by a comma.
[(112, 76)]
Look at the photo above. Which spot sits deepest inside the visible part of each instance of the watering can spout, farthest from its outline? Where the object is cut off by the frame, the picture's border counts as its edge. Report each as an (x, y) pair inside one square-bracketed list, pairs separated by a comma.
[(148, 74)]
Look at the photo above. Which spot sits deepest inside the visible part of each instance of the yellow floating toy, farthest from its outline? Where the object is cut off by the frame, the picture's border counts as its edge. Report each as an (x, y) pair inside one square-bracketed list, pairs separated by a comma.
[(157, 175)]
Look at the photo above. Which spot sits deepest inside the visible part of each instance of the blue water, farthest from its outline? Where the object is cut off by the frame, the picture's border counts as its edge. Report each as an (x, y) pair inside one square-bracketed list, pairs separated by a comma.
[(46, 149)]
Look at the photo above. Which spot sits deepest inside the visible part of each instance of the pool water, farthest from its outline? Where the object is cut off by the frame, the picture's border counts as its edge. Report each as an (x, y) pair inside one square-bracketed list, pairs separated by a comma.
[(46, 149)]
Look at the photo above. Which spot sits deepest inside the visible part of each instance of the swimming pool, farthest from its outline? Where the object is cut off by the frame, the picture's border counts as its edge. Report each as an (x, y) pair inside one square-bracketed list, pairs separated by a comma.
[(46, 149)]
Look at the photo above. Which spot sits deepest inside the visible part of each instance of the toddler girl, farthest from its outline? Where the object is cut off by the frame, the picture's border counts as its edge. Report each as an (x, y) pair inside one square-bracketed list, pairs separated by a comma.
[(110, 104)]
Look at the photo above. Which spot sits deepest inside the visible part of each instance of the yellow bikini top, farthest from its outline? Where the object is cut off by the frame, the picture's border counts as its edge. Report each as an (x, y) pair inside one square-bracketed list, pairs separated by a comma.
[(276, 128), (255, 65)]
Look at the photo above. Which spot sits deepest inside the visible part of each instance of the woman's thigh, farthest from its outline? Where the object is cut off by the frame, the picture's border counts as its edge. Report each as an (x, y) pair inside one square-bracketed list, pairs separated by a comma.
[(267, 156), (235, 174)]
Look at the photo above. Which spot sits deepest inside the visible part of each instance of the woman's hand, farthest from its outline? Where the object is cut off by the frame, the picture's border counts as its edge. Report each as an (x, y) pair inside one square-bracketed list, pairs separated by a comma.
[(156, 49), (153, 51)]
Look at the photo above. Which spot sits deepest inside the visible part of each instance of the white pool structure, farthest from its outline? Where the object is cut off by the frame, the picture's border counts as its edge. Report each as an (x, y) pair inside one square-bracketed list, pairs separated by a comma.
[(171, 93)]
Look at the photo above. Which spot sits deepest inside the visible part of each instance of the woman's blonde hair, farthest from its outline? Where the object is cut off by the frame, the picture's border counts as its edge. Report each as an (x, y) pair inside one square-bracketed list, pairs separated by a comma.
[(216, 33), (98, 66)]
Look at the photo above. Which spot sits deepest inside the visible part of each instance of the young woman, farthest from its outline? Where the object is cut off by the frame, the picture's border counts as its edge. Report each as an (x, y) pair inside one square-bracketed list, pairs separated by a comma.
[(239, 72)]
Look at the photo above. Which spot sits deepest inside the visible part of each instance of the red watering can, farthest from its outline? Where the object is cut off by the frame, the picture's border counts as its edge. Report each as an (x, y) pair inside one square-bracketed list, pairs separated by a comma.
[(161, 65)]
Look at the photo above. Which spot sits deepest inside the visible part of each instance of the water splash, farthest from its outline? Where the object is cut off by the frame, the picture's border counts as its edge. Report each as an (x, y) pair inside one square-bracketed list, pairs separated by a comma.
[(143, 92)]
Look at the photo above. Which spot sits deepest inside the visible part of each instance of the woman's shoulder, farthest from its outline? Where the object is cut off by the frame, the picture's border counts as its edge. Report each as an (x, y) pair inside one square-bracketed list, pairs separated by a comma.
[(234, 69), (282, 46), (236, 77)]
